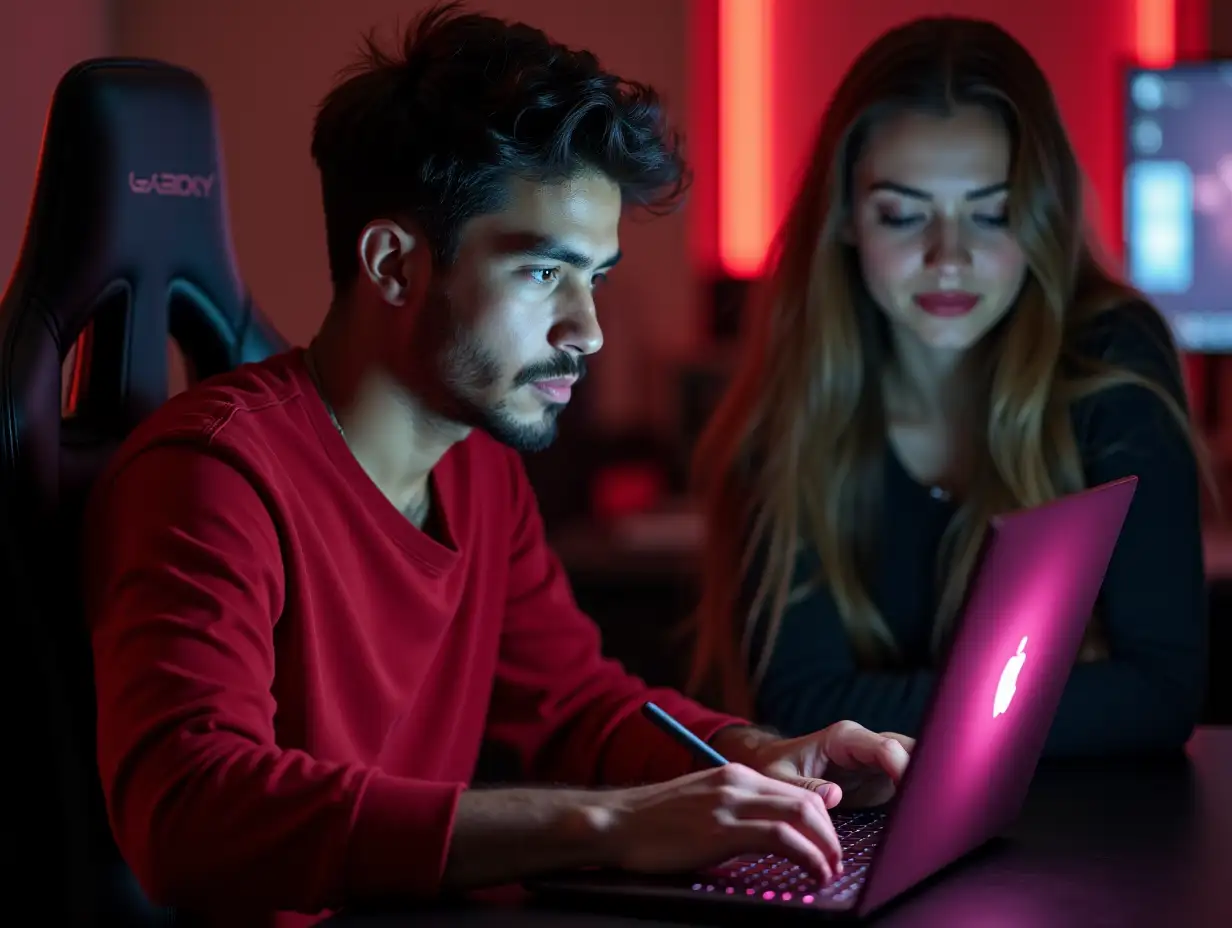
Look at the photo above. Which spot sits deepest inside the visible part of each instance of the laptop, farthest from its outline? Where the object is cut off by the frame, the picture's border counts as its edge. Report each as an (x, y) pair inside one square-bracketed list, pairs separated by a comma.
[(1016, 640)]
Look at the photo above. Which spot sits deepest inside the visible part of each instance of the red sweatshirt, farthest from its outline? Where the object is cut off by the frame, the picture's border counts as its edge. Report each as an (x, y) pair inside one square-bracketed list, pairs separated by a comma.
[(293, 681)]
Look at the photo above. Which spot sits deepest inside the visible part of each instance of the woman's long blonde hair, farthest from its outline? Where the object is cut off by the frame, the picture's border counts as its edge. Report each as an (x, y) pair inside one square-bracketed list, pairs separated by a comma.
[(793, 454)]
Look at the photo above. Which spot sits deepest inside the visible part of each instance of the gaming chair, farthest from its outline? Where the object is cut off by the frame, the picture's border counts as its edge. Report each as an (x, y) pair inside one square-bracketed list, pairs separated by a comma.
[(127, 242)]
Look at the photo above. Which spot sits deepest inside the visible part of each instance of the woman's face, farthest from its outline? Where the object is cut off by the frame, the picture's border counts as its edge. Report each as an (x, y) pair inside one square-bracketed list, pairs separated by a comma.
[(930, 226)]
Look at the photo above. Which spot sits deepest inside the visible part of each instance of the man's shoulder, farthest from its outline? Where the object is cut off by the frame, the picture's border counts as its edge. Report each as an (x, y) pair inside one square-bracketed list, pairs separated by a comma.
[(237, 412)]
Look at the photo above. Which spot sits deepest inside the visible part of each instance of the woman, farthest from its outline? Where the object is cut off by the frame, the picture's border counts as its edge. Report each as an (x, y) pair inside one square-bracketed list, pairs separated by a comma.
[(937, 343)]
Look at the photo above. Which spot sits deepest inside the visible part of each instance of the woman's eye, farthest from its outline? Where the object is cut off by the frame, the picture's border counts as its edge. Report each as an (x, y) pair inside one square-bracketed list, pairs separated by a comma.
[(898, 222)]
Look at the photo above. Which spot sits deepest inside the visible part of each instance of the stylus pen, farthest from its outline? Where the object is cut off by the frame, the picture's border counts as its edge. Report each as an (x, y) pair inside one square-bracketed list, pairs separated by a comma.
[(674, 729)]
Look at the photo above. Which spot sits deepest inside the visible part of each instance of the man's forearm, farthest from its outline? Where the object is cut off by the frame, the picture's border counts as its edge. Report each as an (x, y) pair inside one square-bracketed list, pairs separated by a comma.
[(505, 835)]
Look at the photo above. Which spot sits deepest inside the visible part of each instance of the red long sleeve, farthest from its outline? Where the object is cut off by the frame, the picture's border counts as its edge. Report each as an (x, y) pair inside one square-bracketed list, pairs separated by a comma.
[(205, 797), (294, 682)]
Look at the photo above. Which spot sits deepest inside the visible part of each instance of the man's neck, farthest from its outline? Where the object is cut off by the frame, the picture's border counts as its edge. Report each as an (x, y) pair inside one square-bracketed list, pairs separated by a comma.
[(394, 437)]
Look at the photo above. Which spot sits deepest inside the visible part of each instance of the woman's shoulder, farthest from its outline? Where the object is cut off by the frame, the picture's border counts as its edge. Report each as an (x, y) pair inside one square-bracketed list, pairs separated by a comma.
[(1130, 338), (1132, 335)]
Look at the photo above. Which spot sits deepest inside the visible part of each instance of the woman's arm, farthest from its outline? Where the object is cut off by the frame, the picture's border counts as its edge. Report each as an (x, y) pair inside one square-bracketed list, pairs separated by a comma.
[(1148, 693)]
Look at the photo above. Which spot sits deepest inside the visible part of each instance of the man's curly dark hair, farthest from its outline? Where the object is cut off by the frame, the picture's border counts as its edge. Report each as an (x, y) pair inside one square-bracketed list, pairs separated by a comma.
[(436, 131)]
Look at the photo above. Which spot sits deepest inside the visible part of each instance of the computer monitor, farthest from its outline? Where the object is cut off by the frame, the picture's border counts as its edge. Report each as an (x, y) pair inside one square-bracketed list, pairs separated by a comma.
[(1178, 198)]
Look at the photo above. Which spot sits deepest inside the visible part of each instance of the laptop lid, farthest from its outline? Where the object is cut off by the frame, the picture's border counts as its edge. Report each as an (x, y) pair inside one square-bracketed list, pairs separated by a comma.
[(1011, 655)]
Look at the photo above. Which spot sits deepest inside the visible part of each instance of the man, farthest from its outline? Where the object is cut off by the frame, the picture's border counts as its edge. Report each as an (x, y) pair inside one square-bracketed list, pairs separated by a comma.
[(317, 583)]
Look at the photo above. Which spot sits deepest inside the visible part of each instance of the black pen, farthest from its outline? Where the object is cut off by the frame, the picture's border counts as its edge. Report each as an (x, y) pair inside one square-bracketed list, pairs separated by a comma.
[(674, 729)]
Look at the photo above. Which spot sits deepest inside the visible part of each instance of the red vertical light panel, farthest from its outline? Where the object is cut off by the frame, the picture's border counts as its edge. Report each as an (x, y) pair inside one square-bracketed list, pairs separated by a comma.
[(744, 135), (1155, 32)]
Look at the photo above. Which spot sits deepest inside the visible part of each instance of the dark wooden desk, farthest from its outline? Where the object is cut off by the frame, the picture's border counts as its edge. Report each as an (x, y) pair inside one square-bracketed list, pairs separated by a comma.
[(1126, 844)]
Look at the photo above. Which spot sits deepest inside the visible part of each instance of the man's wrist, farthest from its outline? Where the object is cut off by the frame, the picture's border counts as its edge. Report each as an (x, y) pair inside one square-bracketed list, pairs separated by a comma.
[(597, 821), (506, 835), (742, 744)]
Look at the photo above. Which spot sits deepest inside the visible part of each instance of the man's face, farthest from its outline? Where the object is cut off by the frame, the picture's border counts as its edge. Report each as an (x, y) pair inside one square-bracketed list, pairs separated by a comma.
[(516, 309)]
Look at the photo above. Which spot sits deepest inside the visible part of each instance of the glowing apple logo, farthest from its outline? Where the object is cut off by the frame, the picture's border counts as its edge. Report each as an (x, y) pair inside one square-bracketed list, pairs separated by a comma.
[(1009, 680)]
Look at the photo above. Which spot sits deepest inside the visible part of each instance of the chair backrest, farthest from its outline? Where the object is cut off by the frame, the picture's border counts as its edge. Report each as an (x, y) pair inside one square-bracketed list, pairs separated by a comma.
[(127, 243)]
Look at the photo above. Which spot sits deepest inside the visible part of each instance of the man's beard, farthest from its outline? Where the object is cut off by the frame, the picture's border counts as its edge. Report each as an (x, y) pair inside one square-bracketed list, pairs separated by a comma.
[(521, 436), (469, 373)]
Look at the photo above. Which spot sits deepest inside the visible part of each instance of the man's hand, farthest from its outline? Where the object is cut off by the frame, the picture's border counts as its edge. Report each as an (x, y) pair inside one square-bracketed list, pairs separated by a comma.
[(694, 821), (711, 816), (844, 762), (773, 798), (1094, 644)]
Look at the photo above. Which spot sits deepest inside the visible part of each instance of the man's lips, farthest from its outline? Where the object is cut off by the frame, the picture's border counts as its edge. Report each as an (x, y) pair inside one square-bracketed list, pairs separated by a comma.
[(556, 389)]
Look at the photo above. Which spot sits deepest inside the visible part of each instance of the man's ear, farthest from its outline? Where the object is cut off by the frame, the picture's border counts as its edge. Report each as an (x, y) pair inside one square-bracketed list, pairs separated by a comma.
[(396, 259)]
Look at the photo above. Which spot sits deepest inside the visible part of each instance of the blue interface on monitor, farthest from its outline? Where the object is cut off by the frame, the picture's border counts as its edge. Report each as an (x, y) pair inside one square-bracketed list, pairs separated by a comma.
[(1178, 198)]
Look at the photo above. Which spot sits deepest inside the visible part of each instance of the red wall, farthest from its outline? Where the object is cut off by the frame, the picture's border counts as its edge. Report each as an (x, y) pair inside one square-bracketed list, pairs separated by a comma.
[(39, 41)]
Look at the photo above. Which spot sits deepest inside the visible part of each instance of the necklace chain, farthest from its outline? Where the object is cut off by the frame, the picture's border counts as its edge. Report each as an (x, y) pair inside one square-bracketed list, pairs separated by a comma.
[(417, 512), (311, 364)]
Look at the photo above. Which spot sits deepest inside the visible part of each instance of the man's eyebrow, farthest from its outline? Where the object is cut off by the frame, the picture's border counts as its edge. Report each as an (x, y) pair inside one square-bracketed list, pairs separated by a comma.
[(547, 248)]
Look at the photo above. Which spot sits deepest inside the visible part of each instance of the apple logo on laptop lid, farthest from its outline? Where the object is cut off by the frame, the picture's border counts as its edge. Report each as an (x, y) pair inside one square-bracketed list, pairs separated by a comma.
[(1008, 683)]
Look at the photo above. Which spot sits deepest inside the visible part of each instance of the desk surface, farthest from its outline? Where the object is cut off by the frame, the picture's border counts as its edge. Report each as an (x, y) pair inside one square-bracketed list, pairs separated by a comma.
[(1128, 844)]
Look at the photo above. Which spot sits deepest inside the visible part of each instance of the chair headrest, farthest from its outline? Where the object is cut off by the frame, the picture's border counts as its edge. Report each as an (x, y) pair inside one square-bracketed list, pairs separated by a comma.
[(128, 233), (127, 242)]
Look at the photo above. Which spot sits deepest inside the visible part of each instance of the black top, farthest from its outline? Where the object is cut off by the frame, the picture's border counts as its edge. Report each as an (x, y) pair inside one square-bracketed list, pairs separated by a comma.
[(1148, 695)]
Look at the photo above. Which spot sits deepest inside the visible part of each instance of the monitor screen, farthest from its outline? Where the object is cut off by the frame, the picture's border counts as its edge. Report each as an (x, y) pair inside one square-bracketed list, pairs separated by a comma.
[(1178, 198)]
